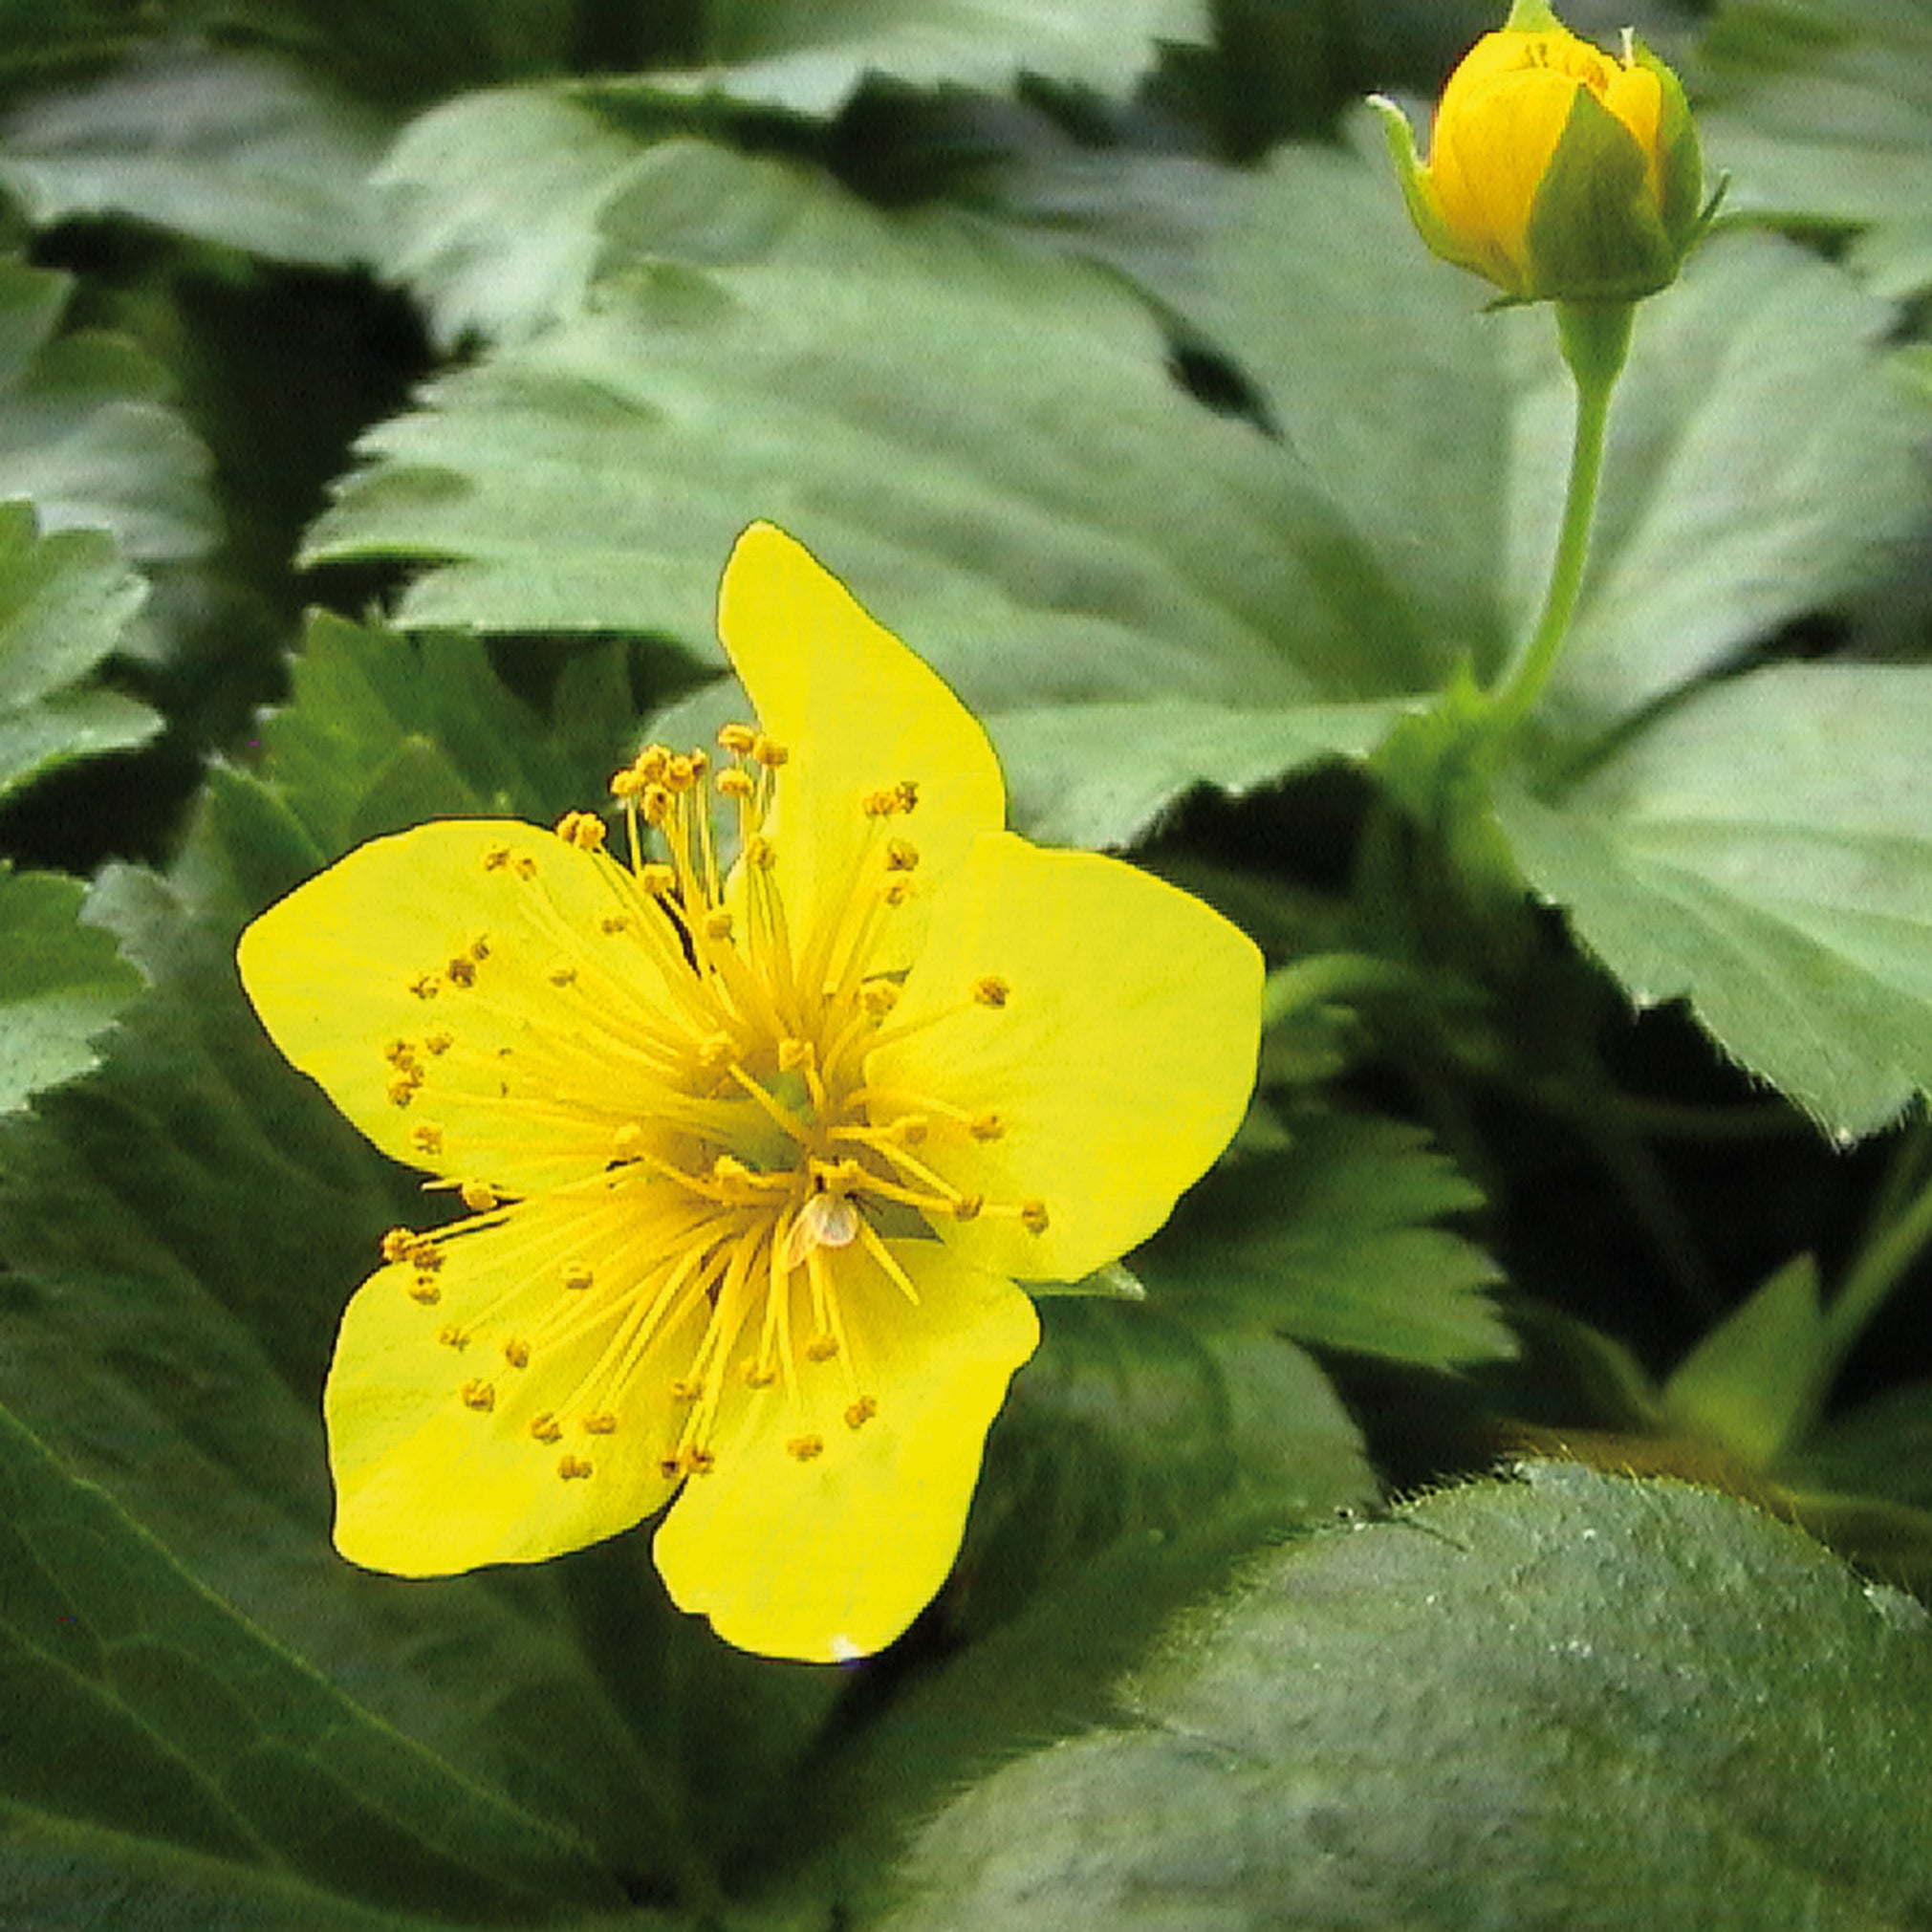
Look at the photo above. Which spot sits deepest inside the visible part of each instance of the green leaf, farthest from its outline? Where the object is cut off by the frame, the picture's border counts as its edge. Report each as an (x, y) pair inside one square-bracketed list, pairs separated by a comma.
[(1821, 113), (62, 984), (1764, 852), (1761, 458), (809, 59), (1883, 1447), (983, 439), (237, 149), (1331, 1242), (85, 435), (1755, 1381), (492, 205), (138, 1701), (1104, 774), (1569, 1701), (65, 604)]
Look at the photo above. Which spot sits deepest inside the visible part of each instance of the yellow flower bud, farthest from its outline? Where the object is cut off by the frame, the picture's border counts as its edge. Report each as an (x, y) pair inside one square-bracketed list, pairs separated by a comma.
[(1557, 171)]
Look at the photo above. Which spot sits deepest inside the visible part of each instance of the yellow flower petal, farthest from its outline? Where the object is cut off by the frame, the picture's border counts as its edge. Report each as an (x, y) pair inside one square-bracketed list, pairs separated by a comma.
[(858, 713), (1488, 158), (514, 1401), (830, 1554), (454, 991), (1118, 1062)]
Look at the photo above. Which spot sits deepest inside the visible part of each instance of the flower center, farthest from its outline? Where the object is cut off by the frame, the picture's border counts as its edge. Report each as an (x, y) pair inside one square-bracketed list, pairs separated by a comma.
[(738, 1123)]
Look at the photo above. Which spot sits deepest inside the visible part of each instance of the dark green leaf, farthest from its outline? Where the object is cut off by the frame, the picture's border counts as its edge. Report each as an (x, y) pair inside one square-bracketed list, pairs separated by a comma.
[(1557, 1704), (1333, 1242), (62, 984), (138, 1701)]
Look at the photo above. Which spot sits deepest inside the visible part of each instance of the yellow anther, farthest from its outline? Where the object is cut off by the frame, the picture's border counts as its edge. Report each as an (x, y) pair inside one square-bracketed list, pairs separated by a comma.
[(572, 1469), (577, 1277), (796, 1054), (523, 865), (990, 991), (627, 1142), (614, 922), (400, 1053), (425, 986), (546, 1427), (683, 772), (438, 1043), (896, 890), (461, 971), (768, 752), (882, 803), (902, 855), (1033, 1216), (967, 1206), (516, 1352), (583, 829), (479, 1196), (562, 974), (759, 852), (733, 783), (682, 1390), (696, 1462), (449, 1335), (655, 803), (878, 997), (424, 1253), (758, 1374), (985, 1126), (650, 763), (426, 1139), (717, 924), (905, 794), (658, 880), (715, 1049), (479, 947), (627, 783), (670, 1469), (736, 739), (478, 1396), (495, 858), (858, 1414), (399, 1243), (423, 1289), (600, 1424), (728, 1168), (821, 1348), (402, 1087), (805, 1447)]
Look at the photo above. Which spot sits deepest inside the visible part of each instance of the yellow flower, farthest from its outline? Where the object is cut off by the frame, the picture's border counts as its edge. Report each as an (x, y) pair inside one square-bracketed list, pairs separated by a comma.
[(752, 1157), (1555, 170)]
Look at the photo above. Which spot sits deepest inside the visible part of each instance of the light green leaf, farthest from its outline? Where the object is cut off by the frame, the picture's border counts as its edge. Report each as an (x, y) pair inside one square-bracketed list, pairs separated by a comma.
[(237, 149), (1765, 853), (138, 1701), (1821, 113), (809, 55), (985, 442), (85, 435), (1762, 452), (65, 604), (62, 984), (1754, 1382), (1568, 1702), (493, 203), (1103, 774), (1334, 1243)]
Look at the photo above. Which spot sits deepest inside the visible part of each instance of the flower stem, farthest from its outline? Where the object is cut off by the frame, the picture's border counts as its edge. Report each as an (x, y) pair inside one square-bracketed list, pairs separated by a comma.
[(1595, 338)]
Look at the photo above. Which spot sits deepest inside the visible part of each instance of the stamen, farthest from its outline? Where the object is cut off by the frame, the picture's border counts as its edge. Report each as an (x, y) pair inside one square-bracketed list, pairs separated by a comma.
[(805, 1447), (572, 1469), (478, 1396)]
